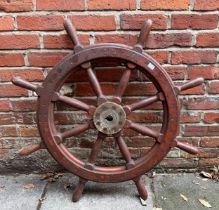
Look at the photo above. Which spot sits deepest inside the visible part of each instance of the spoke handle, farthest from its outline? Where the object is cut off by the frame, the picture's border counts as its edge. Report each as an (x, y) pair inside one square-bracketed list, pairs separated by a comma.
[(79, 190), (23, 83), (141, 189), (191, 84), (72, 33), (187, 148), (145, 31), (30, 149)]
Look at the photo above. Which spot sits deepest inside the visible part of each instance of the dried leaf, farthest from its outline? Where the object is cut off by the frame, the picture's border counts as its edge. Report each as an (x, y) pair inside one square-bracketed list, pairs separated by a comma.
[(67, 186), (205, 203), (206, 174), (143, 202), (41, 200), (52, 177), (29, 186), (2, 188), (155, 208), (184, 197)]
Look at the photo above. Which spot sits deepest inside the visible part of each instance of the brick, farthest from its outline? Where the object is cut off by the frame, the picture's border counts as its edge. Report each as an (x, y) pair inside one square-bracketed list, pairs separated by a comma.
[(7, 119), (211, 117), (84, 89), (60, 5), (208, 162), (169, 40), (190, 117), (201, 131), (207, 72), (140, 89), (160, 56), (6, 131), (4, 106), (214, 87), (202, 103), (27, 74), (19, 41), (203, 153), (194, 57), (207, 40), (6, 23), (116, 38), (139, 141), (206, 5), (16, 6), (40, 22), (4, 154), (178, 163), (146, 117), (194, 21), (94, 22), (25, 131), (25, 118), (70, 118), (104, 74), (165, 4), (176, 73), (209, 142), (135, 22), (111, 5), (12, 91), (113, 74), (7, 143), (11, 59), (45, 59), (24, 105), (62, 41)]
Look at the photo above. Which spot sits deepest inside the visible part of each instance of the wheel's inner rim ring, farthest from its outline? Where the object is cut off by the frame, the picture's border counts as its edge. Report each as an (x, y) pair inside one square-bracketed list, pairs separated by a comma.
[(162, 130)]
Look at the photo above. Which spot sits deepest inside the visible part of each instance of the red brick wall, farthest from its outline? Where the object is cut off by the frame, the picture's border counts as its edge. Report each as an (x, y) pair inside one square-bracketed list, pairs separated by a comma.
[(185, 40)]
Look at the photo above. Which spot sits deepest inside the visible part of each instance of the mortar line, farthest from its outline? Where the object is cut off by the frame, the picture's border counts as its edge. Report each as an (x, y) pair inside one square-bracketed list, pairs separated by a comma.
[(43, 196)]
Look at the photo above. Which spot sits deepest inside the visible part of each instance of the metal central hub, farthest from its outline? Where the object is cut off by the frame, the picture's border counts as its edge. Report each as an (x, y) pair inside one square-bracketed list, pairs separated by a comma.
[(109, 118)]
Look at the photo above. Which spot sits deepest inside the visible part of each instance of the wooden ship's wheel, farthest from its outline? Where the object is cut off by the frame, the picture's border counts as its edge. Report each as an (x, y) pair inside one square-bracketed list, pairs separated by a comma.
[(109, 115)]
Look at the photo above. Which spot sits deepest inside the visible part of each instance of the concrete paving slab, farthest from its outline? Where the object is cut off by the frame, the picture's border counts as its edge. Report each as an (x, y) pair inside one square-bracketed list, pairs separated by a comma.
[(13, 195), (167, 189), (121, 196)]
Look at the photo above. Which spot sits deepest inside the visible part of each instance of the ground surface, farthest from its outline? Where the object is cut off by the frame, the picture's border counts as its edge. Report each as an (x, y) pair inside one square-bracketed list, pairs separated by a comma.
[(29, 192)]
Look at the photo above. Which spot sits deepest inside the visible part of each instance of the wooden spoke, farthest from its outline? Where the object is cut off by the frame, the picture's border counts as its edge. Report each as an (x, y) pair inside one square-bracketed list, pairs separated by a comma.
[(144, 130), (123, 83), (95, 83), (124, 150), (96, 148), (75, 131), (74, 103), (141, 104)]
